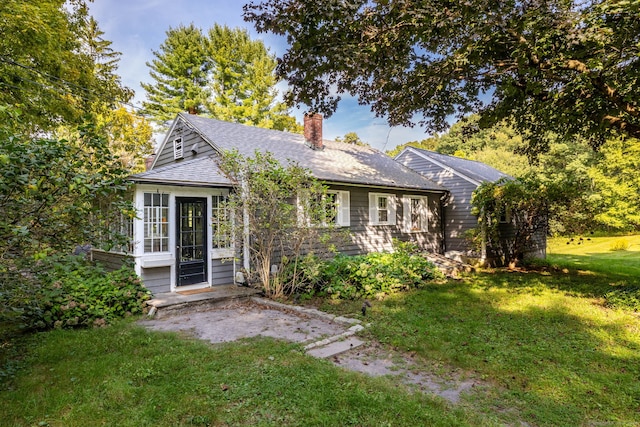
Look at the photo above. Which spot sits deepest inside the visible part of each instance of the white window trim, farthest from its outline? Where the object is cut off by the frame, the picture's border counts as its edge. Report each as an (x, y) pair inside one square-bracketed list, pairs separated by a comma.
[(406, 213), (178, 148), (157, 215), (217, 252), (343, 209), (391, 208)]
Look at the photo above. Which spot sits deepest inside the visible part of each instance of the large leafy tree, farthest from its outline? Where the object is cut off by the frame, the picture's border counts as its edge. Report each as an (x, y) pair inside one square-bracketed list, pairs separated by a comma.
[(129, 136), (48, 63), (223, 74), (568, 66), (51, 191)]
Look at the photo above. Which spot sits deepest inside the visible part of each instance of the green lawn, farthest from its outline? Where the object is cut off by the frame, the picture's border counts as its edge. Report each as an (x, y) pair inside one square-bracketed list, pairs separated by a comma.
[(595, 254), (542, 347), (126, 376)]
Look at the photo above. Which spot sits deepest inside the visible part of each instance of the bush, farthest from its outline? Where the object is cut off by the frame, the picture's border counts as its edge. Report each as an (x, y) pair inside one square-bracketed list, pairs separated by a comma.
[(376, 274), (67, 292)]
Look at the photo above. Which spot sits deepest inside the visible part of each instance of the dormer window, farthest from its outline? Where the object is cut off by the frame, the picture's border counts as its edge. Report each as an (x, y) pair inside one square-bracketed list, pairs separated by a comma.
[(177, 148)]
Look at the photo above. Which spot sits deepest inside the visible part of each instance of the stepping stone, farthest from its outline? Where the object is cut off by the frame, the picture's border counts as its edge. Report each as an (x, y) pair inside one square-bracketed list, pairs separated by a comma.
[(334, 348)]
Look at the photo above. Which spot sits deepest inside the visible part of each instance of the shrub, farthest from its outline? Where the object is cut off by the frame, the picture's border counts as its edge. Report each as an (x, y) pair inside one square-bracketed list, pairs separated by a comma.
[(376, 274), (619, 245), (68, 292)]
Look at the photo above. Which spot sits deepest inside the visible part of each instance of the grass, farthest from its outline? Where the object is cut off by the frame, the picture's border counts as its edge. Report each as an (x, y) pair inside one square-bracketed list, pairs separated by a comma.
[(127, 376), (595, 255), (542, 347)]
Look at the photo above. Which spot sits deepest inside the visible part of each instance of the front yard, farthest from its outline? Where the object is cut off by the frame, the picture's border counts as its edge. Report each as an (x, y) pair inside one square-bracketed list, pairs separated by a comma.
[(543, 348)]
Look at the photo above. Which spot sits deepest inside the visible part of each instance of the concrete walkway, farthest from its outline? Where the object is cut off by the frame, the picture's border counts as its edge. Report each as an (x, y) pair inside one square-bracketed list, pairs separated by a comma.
[(322, 335)]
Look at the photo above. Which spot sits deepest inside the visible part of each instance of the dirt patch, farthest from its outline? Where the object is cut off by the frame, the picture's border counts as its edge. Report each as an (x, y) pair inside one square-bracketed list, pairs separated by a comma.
[(374, 360)]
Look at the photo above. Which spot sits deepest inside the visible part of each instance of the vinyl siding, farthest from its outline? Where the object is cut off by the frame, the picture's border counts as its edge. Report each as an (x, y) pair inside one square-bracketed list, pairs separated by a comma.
[(157, 280), (189, 138), (222, 272), (457, 207), (110, 260), (365, 238)]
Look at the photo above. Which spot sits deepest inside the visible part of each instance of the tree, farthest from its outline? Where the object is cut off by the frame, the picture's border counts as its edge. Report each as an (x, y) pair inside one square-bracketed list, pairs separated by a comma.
[(281, 209), (243, 81), (351, 138), (511, 213), (615, 196), (223, 74), (129, 136), (47, 68), (180, 70), (51, 191), (571, 67)]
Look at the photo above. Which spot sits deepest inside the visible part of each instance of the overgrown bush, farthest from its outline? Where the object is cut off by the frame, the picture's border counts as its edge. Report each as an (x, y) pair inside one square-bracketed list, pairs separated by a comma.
[(66, 292), (627, 298), (375, 274)]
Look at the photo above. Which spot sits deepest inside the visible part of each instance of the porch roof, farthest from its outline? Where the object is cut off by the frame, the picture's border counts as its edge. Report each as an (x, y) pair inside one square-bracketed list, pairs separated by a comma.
[(200, 172)]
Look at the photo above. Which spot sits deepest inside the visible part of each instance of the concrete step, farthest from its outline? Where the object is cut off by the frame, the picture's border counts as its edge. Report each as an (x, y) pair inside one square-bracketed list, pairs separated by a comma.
[(174, 303), (334, 348)]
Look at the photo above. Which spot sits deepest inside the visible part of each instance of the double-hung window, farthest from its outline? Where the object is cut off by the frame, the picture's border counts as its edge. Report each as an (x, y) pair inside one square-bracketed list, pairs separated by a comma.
[(156, 225), (331, 208), (382, 209), (415, 213)]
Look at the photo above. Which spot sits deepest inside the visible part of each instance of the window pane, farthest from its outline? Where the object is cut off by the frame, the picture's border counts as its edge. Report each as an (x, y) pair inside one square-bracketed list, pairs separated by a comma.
[(156, 227)]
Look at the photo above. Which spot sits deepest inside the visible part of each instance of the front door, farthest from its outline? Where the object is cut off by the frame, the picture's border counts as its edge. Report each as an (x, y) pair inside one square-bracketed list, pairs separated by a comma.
[(192, 240)]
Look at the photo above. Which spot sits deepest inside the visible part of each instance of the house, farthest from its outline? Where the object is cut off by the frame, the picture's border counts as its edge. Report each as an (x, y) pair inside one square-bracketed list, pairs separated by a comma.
[(178, 199), (461, 177)]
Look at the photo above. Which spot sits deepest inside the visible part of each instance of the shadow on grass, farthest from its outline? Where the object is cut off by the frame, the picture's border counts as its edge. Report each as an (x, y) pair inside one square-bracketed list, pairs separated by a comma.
[(554, 358)]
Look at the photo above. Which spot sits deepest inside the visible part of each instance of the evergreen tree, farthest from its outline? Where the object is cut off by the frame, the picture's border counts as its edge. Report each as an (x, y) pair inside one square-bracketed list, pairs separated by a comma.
[(105, 62), (223, 74), (181, 71)]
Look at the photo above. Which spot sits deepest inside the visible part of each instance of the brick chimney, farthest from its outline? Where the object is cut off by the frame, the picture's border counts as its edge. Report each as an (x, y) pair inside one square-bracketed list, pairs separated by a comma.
[(149, 160), (313, 130)]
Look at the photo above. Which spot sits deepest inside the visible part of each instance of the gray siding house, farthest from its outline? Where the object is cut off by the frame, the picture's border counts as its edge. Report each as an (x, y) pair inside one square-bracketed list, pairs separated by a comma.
[(461, 177), (177, 198)]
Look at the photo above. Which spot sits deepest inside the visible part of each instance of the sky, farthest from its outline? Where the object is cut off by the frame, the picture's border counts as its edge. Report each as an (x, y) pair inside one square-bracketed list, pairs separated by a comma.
[(137, 27)]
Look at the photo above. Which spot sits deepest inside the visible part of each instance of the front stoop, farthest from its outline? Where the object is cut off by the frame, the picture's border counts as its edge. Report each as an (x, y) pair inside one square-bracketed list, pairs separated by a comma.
[(172, 303)]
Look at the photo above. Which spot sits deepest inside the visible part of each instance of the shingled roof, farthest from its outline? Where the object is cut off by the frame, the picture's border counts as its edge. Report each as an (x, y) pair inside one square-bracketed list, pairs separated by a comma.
[(201, 172), (476, 171), (337, 162)]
